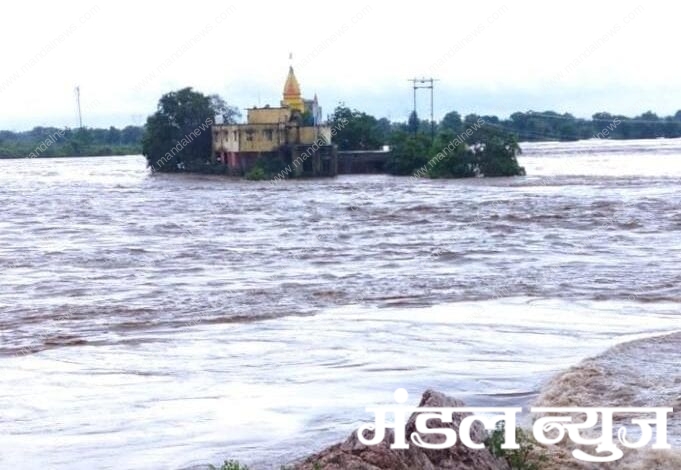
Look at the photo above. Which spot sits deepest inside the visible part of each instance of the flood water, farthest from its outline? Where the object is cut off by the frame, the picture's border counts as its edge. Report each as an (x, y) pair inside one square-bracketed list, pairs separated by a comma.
[(168, 321)]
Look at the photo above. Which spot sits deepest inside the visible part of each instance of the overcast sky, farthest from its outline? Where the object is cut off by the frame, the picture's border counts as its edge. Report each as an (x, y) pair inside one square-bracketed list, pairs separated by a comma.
[(489, 57)]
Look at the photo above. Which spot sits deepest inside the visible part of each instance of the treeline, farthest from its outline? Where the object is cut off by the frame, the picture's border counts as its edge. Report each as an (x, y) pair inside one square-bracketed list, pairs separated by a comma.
[(364, 132), (548, 125), (56, 142), (451, 148), (367, 132)]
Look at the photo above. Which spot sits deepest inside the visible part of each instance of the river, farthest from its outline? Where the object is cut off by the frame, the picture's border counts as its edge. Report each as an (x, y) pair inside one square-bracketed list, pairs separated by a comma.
[(167, 321)]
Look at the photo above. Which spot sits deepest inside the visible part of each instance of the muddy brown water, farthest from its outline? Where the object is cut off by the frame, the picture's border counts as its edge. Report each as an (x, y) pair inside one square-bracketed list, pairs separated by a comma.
[(164, 321)]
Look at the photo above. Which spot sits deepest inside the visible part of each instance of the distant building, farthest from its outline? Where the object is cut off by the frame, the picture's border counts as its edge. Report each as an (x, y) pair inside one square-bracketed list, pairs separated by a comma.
[(292, 134)]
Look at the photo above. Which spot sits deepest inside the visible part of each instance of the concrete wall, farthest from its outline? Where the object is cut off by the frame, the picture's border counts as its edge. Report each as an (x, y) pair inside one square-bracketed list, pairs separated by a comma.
[(268, 115), (264, 137), (240, 145), (225, 138), (310, 135), (260, 137), (362, 161)]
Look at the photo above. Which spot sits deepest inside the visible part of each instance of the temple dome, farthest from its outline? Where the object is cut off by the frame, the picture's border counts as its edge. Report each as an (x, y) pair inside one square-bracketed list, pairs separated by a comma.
[(292, 95), (292, 87)]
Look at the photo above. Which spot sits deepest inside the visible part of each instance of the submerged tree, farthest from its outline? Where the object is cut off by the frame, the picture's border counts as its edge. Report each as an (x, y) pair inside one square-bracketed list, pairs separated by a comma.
[(452, 158), (356, 130), (494, 149), (407, 152), (482, 150), (177, 136), (497, 156)]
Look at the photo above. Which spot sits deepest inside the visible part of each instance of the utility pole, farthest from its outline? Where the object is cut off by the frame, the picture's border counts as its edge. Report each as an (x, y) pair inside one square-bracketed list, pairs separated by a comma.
[(80, 115), (426, 83)]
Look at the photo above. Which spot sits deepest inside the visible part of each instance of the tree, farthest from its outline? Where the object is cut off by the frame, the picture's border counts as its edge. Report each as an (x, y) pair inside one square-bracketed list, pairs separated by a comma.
[(650, 125), (113, 136), (177, 136), (489, 151), (383, 130), (229, 114), (131, 134), (355, 130), (413, 123), (494, 151), (451, 122), (452, 157), (408, 153), (497, 156)]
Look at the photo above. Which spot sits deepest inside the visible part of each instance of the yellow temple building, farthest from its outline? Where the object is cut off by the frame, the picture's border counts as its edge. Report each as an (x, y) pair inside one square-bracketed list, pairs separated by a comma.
[(292, 134)]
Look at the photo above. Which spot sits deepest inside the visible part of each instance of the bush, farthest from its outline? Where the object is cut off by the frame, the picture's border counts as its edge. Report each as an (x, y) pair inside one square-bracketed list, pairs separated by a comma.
[(408, 153), (525, 458), (456, 163), (497, 157), (486, 152), (257, 173), (230, 465)]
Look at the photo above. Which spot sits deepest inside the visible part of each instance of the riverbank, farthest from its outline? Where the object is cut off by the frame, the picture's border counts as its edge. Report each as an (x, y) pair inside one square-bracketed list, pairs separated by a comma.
[(621, 376), (639, 373)]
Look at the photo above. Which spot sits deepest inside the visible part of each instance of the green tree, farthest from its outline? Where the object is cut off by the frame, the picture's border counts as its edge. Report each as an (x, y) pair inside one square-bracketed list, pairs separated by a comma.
[(413, 123), (113, 136), (131, 135), (229, 114), (384, 129), (452, 157), (408, 153), (356, 130), (497, 156), (177, 136), (452, 122), (494, 149)]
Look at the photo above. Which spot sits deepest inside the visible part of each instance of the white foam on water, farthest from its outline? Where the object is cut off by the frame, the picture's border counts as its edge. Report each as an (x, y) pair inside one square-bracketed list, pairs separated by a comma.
[(274, 390)]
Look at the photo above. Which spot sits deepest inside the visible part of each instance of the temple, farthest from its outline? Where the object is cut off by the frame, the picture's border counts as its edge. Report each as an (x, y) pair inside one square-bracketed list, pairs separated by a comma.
[(290, 135)]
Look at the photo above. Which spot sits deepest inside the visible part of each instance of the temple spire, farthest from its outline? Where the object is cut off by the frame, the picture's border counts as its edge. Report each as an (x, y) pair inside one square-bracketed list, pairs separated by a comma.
[(292, 95)]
